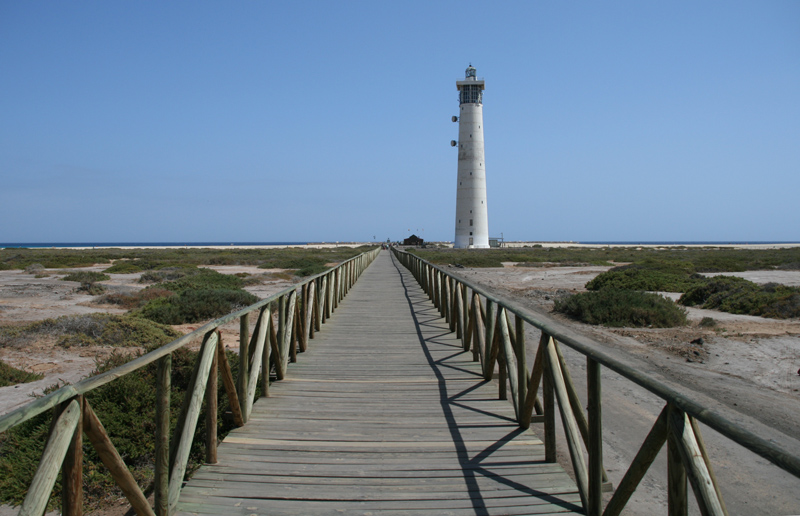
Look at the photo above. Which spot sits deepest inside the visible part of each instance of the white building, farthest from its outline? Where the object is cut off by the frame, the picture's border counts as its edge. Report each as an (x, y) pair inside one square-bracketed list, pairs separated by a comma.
[(472, 221)]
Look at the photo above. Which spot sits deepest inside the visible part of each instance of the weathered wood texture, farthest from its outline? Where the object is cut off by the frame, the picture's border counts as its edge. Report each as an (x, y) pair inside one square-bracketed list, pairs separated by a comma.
[(385, 413)]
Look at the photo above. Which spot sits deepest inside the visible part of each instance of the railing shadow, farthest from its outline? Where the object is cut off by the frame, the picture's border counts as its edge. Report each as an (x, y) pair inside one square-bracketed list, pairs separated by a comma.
[(472, 467)]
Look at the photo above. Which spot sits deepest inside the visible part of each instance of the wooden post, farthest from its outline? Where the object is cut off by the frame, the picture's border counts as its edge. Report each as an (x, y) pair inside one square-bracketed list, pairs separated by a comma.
[(244, 366), (282, 332), (692, 457), (677, 502), (522, 366), (265, 354), (549, 415), (211, 413), (533, 385), (52, 458), (595, 444), (72, 471), (161, 483), (489, 320)]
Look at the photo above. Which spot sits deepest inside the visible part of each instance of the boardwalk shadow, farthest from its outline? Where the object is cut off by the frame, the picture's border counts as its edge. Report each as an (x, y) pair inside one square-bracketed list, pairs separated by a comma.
[(428, 325)]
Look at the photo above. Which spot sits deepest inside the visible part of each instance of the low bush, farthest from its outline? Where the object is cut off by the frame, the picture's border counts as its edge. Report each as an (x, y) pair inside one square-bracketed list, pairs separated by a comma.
[(86, 276), (739, 296), (124, 267), (35, 268), (132, 300), (169, 274), (195, 305), (618, 308), (13, 376), (93, 289), (649, 275), (92, 330), (126, 408)]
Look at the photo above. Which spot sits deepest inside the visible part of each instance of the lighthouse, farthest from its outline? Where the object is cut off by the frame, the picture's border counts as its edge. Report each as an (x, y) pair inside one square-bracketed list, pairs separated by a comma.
[(472, 221)]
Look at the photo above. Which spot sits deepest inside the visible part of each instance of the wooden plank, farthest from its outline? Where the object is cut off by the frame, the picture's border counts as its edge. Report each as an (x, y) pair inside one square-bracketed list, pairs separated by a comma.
[(385, 413)]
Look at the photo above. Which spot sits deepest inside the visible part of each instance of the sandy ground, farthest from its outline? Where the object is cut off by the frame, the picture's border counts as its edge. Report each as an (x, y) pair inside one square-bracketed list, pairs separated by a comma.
[(25, 299), (746, 368)]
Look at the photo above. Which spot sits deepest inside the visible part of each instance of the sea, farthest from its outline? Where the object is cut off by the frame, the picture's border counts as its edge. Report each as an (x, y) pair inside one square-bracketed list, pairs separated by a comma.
[(8, 245)]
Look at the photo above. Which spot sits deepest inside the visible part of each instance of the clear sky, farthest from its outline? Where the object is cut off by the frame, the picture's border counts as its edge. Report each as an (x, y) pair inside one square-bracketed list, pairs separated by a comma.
[(324, 121)]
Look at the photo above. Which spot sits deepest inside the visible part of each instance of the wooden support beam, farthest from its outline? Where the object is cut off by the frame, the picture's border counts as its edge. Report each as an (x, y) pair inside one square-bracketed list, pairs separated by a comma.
[(255, 366), (522, 367), (116, 466), (244, 366), (641, 463), (161, 481), (595, 441), (549, 414), (699, 437), (72, 471), (211, 412), (692, 457), (52, 458), (677, 500), (533, 383), (227, 380), (570, 426), (194, 395), (510, 360)]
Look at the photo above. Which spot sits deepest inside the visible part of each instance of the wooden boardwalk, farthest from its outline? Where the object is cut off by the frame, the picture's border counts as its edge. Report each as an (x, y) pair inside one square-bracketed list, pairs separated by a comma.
[(384, 414)]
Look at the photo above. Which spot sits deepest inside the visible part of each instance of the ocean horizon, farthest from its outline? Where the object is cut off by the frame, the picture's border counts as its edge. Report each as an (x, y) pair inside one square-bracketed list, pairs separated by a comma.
[(62, 245)]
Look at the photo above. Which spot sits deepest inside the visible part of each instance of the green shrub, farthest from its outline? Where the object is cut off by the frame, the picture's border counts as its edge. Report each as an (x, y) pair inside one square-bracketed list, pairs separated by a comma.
[(205, 279), (126, 408), (93, 289), (35, 268), (195, 305), (739, 296), (617, 308), (92, 330), (12, 376), (649, 275), (170, 274), (86, 276), (124, 267), (707, 322), (136, 299)]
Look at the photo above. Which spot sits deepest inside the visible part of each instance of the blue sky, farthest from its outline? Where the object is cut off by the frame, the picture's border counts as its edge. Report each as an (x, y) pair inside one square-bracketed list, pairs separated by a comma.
[(324, 121)]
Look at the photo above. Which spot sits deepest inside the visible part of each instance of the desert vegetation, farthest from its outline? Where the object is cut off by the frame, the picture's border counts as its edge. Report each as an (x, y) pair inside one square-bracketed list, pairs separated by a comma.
[(123, 261), (617, 308)]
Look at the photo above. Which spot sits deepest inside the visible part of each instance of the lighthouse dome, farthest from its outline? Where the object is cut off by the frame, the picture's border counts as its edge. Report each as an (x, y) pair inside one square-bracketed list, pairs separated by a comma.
[(471, 71)]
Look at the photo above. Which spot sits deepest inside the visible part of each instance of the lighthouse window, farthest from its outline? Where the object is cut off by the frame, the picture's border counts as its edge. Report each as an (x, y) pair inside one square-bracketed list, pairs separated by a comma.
[(470, 222)]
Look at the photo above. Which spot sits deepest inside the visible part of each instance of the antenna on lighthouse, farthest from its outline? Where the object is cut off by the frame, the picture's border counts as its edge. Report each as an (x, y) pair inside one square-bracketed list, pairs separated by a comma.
[(454, 119), (453, 143)]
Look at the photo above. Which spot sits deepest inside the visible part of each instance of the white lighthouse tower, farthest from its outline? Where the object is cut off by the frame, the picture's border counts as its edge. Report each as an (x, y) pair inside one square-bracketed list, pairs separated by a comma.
[(472, 221)]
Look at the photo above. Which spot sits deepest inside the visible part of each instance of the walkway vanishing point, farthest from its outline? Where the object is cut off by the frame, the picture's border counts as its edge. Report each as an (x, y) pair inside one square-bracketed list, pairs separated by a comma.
[(384, 414)]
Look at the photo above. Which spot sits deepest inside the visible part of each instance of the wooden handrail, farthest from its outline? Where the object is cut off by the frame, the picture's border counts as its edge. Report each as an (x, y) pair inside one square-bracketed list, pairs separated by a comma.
[(319, 295), (504, 345)]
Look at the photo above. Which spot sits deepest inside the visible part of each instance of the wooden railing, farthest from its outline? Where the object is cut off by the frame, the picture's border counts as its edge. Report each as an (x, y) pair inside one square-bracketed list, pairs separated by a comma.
[(482, 320), (299, 312)]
